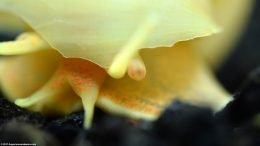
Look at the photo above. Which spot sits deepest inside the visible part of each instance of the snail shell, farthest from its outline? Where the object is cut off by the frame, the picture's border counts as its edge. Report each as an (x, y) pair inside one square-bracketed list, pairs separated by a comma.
[(98, 30)]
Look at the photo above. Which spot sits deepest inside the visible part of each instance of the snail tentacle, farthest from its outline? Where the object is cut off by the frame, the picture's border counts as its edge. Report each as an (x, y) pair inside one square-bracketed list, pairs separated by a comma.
[(47, 94), (123, 58), (25, 43), (136, 68), (86, 79)]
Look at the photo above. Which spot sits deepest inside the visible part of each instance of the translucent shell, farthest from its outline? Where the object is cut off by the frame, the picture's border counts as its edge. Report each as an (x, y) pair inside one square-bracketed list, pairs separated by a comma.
[(232, 16), (100, 30), (11, 24)]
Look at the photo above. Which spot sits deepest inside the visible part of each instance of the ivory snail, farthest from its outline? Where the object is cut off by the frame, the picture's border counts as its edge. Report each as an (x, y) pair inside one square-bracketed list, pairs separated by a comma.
[(75, 54)]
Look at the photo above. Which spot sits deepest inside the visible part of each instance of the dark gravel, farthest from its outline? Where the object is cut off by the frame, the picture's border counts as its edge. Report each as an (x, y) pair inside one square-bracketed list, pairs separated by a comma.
[(9, 112)]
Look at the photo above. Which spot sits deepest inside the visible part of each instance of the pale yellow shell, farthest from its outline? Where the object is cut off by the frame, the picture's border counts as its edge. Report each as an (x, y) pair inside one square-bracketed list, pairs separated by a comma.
[(97, 30)]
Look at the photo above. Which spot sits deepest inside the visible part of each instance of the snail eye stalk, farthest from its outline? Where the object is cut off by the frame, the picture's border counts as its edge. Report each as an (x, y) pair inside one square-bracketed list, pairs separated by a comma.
[(136, 69), (127, 55), (25, 43)]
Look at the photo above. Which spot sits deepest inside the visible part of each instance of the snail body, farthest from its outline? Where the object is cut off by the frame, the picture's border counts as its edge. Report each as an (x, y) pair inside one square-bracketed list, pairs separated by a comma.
[(91, 45)]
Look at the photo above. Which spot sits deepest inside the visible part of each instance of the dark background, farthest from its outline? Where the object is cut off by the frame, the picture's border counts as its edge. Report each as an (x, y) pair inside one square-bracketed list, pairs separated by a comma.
[(246, 56)]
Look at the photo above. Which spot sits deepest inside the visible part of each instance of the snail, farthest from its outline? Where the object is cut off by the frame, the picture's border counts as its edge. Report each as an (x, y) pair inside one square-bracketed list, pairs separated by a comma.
[(76, 54)]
